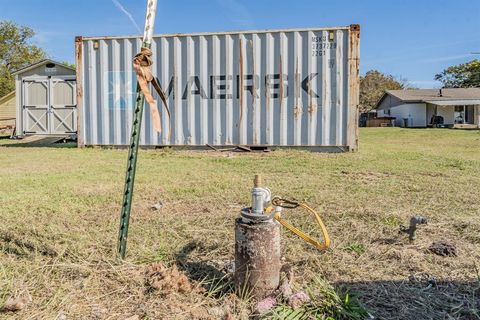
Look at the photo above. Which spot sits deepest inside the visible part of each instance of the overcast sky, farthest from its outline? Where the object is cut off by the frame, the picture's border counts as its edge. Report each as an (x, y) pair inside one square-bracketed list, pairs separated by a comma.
[(412, 39)]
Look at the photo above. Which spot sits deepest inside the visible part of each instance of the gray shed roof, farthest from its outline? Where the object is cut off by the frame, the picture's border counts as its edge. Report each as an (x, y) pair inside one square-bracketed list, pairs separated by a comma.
[(39, 63), (433, 95)]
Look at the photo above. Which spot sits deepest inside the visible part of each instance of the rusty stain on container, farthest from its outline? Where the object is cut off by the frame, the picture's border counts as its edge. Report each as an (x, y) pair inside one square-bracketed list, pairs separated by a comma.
[(240, 90), (353, 85), (257, 258), (79, 66), (297, 109), (311, 107), (281, 84), (325, 96), (254, 82), (297, 81), (254, 95)]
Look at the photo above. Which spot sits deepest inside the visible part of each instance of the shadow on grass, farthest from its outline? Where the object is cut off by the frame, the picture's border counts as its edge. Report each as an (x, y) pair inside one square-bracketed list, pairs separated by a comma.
[(213, 278), (417, 298), (45, 142)]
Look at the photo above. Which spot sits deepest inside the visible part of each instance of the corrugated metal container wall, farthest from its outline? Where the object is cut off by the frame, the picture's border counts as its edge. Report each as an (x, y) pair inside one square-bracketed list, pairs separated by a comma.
[(279, 88)]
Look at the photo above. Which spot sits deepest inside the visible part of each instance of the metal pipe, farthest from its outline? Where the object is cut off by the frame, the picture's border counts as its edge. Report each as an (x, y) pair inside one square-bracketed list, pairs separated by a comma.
[(257, 247), (411, 230), (134, 139), (257, 258), (149, 22)]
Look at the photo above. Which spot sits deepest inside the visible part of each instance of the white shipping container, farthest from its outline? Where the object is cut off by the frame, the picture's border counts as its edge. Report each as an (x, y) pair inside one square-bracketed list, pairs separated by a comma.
[(257, 88)]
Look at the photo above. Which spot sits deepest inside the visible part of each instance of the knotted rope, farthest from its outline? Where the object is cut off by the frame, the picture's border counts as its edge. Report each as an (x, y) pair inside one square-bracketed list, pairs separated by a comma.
[(142, 63)]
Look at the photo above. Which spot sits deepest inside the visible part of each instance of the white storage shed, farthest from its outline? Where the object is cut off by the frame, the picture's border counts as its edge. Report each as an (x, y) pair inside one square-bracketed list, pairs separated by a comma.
[(46, 99)]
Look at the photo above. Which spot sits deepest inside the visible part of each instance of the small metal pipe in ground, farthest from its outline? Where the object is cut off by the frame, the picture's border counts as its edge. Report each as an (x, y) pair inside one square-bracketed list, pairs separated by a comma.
[(257, 248), (257, 258)]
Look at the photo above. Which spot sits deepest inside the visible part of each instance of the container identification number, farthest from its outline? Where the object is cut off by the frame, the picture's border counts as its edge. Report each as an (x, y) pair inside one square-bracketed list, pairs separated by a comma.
[(320, 45)]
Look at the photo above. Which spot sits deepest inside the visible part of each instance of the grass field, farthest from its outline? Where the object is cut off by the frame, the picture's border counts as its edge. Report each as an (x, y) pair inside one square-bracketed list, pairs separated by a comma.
[(59, 210)]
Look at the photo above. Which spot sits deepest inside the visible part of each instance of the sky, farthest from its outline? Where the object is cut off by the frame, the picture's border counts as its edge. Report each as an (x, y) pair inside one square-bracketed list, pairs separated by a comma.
[(409, 39)]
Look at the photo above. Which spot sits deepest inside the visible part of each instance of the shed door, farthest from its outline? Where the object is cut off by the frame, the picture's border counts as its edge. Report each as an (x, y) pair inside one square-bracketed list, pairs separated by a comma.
[(49, 106), (36, 102), (63, 109)]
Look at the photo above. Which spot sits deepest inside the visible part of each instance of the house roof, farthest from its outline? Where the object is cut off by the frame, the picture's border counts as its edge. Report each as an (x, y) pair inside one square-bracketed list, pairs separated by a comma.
[(448, 95), (39, 63), (434, 94), (7, 97)]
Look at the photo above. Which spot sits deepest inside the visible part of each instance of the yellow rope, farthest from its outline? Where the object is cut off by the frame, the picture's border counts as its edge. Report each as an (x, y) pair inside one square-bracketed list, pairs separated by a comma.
[(300, 233)]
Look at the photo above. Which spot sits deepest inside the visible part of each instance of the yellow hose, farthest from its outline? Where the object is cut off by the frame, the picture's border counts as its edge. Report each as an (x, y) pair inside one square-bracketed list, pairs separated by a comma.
[(298, 232)]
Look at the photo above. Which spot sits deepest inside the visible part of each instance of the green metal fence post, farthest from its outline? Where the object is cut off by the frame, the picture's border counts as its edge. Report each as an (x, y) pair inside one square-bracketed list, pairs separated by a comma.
[(134, 140)]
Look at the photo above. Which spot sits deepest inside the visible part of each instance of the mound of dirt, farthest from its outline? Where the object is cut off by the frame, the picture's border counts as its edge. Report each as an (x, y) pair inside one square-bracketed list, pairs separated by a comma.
[(15, 304), (444, 249), (166, 280)]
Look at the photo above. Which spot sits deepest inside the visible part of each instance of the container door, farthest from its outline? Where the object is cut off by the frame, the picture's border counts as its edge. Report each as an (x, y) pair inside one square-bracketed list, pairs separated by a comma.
[(36, 102), (63, 106)]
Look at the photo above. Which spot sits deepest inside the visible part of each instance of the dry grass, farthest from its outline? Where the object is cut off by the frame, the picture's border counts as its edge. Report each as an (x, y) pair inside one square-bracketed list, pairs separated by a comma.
[(60, 208)]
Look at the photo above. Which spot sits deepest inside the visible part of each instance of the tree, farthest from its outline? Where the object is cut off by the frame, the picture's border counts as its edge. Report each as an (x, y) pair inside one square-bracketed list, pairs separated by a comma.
[(465, 75), (16, 52), (373, 86), (68, 64)]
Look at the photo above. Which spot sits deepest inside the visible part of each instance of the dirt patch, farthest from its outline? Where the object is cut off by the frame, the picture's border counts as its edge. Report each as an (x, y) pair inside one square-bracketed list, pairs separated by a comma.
[(165, 280), (15, 304), (444, 248)]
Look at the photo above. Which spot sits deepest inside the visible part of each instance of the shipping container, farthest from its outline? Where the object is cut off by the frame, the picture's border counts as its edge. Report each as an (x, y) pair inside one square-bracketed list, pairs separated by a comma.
[(296, 88)]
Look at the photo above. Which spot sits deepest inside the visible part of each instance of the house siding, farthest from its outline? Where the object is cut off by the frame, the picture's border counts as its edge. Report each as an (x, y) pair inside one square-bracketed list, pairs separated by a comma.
[(447, 112), (415, 112), (7, 110), (388, 102)]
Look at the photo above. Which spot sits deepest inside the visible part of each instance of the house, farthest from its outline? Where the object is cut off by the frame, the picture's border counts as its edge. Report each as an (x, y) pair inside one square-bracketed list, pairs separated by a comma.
[(7, 111), (455, 107)]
